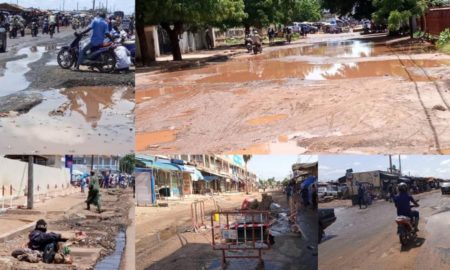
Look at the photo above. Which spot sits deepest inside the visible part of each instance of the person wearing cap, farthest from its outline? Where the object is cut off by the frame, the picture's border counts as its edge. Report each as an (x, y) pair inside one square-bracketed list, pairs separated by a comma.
[(39, 238)]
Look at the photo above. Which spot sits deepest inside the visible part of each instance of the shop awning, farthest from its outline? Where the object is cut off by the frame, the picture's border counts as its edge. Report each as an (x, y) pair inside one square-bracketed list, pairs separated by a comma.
[(210, 178), (161, 165), (195, 174)]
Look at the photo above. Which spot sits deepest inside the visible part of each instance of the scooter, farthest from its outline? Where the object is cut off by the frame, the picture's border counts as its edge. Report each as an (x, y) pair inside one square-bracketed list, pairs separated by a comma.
[(257, 48), (34, 29), (102, 58), (249, 44), (406, 229)]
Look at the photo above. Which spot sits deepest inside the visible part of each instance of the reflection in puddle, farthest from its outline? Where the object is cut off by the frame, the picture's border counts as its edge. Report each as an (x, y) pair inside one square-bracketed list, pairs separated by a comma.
[(13, 79), (149, 139), (80, 118)]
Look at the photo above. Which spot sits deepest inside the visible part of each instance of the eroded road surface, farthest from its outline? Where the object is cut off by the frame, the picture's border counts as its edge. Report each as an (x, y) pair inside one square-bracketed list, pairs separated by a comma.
[(367, 238), (328, 94), (46, 109)]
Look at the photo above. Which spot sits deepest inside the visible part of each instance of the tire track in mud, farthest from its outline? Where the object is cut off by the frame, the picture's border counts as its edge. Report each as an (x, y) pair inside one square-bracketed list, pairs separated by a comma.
[(422, 103)]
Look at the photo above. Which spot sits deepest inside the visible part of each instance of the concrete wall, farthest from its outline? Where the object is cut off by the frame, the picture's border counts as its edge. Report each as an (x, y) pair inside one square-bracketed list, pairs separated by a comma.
[(46, 179), (436, 20)]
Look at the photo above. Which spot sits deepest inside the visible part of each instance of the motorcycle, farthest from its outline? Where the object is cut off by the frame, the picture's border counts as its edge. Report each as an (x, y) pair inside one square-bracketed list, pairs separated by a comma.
[(248, 44), (52, 30), (406, 229), (34, 29), (45, 28), (13, 32), (102, 58), (257, 48)]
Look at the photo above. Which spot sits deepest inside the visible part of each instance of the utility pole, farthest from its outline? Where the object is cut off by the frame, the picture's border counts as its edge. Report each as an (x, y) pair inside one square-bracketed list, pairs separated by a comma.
[(30, 193), (400, 165), (390, 163), (93, 5)]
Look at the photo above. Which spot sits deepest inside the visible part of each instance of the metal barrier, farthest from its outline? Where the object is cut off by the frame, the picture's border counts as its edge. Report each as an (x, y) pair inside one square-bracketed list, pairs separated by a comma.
[(198, 215), (240, 230)]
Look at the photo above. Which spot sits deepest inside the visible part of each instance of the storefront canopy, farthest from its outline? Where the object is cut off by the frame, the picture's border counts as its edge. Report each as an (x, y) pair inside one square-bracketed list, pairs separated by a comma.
[(164, 166), (11, 8), (210, 178), (195, 174)]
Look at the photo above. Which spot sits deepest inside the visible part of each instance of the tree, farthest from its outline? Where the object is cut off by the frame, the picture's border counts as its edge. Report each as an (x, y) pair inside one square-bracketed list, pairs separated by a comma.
[(259, 13), (399, 12), (359, 9), (175, 16), (127, 164)]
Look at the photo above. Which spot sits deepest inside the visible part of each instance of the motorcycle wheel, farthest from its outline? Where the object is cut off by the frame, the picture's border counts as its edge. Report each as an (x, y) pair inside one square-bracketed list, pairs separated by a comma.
[(109, 62), (22, 33), (255, 50), (65, 59), (403, 238)]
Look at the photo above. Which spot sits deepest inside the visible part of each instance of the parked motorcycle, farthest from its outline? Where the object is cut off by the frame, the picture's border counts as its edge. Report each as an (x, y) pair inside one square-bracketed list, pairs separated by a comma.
[(102, 58), (406, 229)]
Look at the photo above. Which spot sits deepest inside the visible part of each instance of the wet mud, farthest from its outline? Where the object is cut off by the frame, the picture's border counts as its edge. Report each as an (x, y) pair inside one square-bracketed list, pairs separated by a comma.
[(340, 96)]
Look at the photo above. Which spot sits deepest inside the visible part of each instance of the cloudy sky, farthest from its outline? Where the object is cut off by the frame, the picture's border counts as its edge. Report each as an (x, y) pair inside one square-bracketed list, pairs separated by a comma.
[(334, 166), (278, 166), (127, 6)]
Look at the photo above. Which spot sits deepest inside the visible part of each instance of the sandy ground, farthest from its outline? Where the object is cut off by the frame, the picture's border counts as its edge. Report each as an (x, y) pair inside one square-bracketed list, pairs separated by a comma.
[(45, 109), (341, 96), (68, 215), (164, 239), (367, 239)]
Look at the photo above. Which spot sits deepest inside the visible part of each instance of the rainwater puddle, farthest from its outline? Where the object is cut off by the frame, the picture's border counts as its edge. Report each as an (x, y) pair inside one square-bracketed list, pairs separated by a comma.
[(79, 118), (149, 139), (322, 61), (13, 79), (112, 261)]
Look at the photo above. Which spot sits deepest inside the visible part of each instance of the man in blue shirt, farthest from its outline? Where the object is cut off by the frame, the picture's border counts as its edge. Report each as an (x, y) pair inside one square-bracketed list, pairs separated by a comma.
[(99, 28), (402, 202)]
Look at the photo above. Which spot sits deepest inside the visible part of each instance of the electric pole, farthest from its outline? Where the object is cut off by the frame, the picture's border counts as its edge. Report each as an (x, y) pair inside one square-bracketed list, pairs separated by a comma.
[(390, 163), (93, 5), (400, 165), (30, 193)]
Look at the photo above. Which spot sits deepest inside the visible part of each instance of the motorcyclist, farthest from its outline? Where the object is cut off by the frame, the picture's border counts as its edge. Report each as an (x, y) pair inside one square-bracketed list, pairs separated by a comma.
[(99, 28), (256, 38), (402, 202)]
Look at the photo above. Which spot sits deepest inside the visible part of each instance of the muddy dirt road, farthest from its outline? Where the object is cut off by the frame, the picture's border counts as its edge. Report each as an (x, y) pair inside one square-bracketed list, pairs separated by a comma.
[(331, 93), (46, 109), (367, 238), (164, 239)]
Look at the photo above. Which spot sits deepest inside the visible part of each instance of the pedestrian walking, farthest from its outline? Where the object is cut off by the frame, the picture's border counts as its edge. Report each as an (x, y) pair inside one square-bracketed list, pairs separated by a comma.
[(94, 193)]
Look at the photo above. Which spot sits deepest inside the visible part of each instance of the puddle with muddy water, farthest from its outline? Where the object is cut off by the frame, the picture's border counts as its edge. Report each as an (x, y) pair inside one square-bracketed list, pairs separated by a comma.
[(153, 139), (76, 119), (13, 79), (346, 60)]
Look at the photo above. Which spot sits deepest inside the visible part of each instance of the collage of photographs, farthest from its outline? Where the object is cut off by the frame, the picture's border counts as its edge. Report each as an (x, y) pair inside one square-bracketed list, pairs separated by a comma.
[(225, 134)]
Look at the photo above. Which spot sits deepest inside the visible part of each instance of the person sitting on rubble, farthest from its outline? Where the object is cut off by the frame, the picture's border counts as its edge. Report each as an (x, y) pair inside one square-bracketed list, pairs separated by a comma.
[(40, 238)]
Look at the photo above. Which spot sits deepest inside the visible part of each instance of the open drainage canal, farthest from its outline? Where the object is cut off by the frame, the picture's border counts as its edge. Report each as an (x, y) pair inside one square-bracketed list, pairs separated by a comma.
[(13, 79), (112, 261)]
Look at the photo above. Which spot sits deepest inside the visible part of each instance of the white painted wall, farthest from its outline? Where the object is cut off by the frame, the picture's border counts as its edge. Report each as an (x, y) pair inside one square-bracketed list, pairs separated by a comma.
[(46, 179)]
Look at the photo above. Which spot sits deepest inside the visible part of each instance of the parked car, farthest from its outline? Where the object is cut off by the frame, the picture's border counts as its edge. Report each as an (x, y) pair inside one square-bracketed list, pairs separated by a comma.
[(326, 218), (445, 188), (327, 191), (309, 28)]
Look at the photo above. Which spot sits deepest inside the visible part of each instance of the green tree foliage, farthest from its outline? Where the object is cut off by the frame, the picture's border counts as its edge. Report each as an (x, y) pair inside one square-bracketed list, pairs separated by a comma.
[(289, 11), (127, 164), (359, 9), (175, 16)]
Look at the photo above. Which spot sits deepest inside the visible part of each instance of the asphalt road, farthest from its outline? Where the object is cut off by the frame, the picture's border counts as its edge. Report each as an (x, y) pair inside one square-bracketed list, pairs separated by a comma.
[(367, 238)]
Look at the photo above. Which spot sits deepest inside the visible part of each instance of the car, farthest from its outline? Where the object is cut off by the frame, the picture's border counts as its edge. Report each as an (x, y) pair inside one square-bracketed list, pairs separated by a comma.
[(326, 218), (327, 191), (309, 28), (445, 188)]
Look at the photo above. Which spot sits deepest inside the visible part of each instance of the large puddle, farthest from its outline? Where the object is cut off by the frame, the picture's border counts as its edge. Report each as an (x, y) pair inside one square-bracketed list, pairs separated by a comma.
[(322, 61), (77, 119), (13, 79)]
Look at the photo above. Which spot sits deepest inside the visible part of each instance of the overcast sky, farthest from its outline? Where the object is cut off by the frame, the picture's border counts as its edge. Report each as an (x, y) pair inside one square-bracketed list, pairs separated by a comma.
[(278, 166), (126, 6), (334, 166)]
